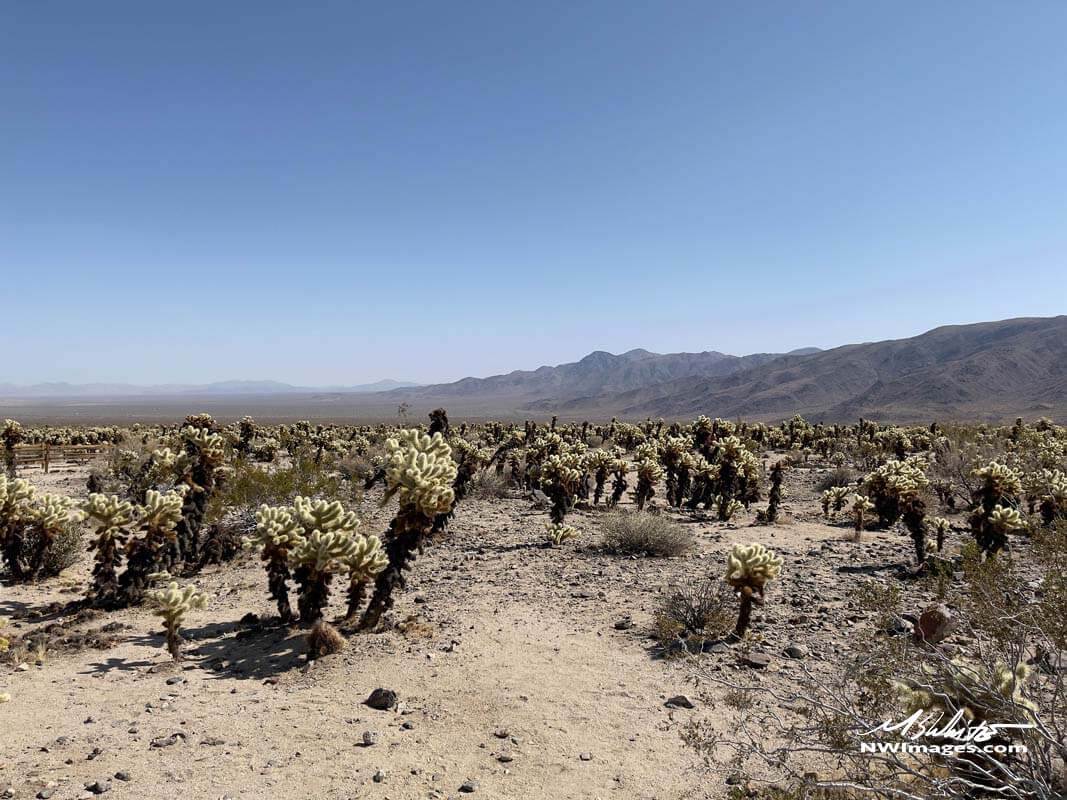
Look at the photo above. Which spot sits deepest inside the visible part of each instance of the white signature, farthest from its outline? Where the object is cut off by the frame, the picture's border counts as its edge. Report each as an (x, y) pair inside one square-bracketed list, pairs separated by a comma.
[(928, 724)]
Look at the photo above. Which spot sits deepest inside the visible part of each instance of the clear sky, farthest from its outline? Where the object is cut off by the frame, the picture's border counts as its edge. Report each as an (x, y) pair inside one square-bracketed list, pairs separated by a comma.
[(336, 192)]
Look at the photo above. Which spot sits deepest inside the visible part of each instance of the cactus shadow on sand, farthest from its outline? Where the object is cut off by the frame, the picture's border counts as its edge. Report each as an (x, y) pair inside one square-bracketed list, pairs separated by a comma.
[(233, 650)]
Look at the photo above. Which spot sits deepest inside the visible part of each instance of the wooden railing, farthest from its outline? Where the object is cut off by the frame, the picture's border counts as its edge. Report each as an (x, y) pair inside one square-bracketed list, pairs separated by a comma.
[(45, 455)]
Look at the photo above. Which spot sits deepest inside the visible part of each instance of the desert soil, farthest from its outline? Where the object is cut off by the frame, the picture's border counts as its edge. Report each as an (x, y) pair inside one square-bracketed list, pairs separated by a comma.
[(515, 675)]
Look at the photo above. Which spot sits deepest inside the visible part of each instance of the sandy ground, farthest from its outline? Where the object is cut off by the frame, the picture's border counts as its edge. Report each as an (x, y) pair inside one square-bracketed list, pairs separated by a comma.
[(513, 679)]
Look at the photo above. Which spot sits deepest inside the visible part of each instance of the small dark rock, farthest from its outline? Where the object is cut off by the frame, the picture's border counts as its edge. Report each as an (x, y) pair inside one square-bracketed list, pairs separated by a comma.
[(382, 700), (469, 787), (679, 701), (167, 741)]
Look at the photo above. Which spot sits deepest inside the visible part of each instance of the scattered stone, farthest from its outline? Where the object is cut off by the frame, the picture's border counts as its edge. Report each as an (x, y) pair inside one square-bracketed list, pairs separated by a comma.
[(176, 679), (898, 626), (370, 738), (624, 624), (585, 756), (504, 758), (99, 787), (756, 660), (378, 777), (501, 733), (123, 775), (44, 794), (796, 651), (680, 701), (935, 623), (469, 787), (213, 741), (382, 700), (167, 741)]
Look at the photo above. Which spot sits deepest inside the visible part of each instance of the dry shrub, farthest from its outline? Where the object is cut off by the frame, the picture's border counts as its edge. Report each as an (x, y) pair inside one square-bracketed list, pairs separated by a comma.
[(638, 532), (838, 476), (487, 485), (324, 640), (253, 485), (699, 610), (63, 551)]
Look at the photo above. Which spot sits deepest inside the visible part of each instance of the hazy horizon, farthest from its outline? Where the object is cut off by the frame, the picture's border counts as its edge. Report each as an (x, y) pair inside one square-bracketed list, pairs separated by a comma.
[(340, 194)]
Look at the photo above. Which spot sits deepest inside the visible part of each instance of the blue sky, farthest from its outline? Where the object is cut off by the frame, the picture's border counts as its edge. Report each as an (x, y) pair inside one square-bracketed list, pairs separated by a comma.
[(338, 192)]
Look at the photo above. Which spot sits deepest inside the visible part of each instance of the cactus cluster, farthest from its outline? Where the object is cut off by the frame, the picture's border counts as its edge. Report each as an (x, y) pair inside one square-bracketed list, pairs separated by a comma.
[(310, 542)]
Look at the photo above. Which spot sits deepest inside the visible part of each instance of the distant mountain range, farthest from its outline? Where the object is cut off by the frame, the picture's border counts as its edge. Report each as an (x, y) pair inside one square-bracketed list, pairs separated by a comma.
[(986, 371), (74, 390), (599, 374), (990, 370)]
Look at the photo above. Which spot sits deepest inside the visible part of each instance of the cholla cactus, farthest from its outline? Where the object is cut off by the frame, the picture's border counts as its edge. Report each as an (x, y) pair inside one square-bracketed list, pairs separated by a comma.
[(738, 470), (315, 560), (834, 499), (366, 560), (172, 603), (277, 532), (677, 462), (774, 497), (861, 507), (618, 468), (1053, 496), (246, 430), (109, 517), (16, 496), (1005, 520), (893, 485), (150, 552), (325, 543), (648, 473), (748, 569), (599, 463), (941, 527), (560, 477), (999, 488), (981, 693), (559, 532), (420, 473), (11, 433), (725, 508), (200, 468)]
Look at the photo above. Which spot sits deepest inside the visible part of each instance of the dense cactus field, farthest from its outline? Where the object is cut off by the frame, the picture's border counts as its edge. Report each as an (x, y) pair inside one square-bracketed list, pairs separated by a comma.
[(704, 609)]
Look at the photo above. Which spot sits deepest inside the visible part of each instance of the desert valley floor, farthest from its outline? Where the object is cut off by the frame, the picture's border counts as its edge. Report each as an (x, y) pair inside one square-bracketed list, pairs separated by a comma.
[(521, 671)]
